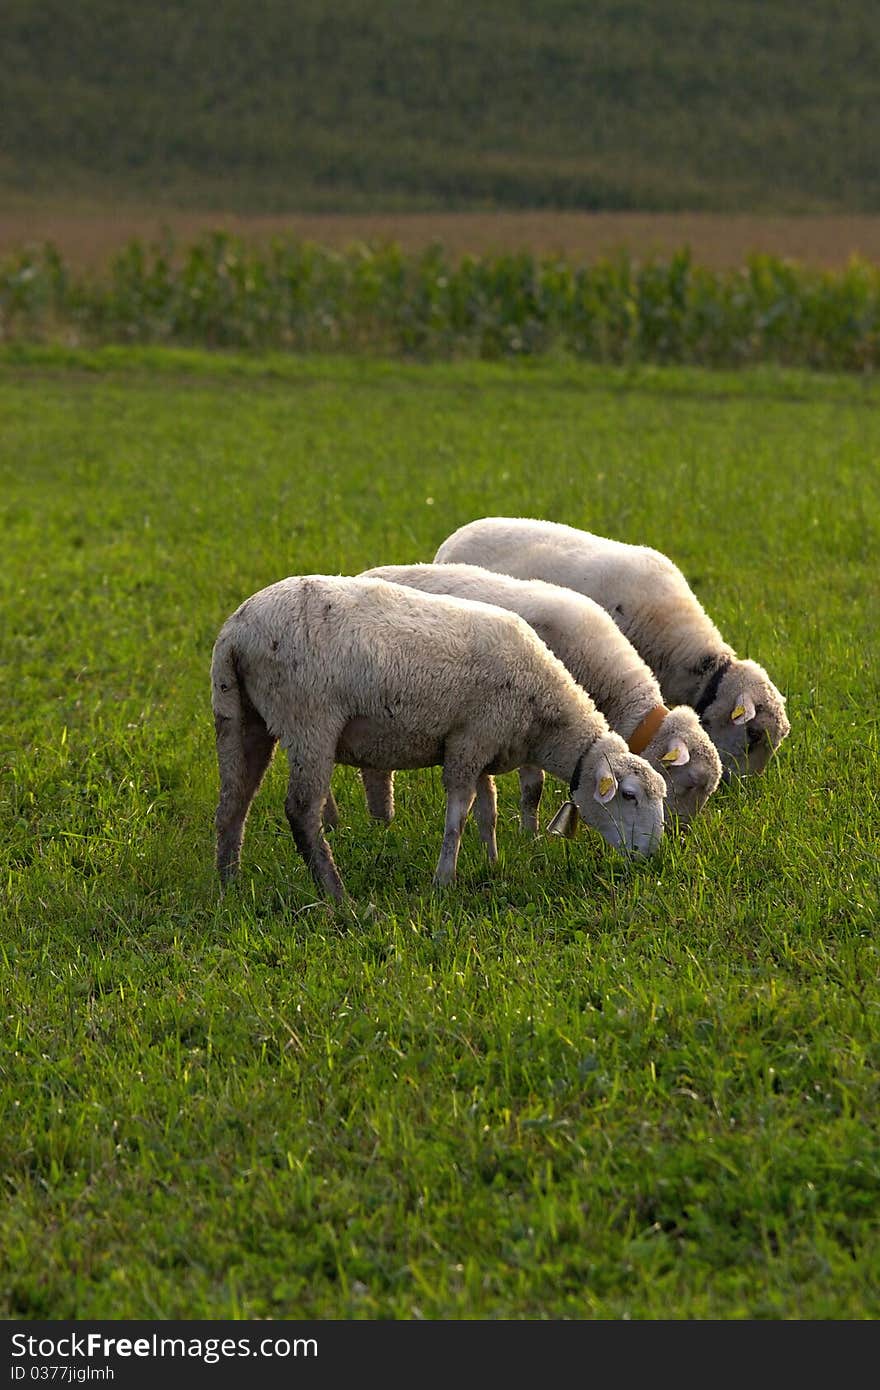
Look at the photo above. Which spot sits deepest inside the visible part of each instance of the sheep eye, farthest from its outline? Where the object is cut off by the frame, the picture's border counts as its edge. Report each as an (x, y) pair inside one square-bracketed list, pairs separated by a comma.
[(627, 796)]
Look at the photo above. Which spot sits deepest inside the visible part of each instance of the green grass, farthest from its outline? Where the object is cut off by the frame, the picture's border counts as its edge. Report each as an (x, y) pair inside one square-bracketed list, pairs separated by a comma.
[(509, 103), (568, 1088)]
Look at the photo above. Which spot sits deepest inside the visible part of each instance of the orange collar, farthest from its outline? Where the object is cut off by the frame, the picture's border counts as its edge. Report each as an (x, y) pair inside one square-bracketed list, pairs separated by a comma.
[(641, 736)]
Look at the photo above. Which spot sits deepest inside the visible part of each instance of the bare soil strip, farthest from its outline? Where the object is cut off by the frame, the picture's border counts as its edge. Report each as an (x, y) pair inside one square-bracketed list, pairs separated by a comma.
[(88, 236)]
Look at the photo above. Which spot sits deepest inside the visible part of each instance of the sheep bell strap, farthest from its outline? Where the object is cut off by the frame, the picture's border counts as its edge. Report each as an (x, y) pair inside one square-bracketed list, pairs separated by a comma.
[(643, 733), (708, 695)]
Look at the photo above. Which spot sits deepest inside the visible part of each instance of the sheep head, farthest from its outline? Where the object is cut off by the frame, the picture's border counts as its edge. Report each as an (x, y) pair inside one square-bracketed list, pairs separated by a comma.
[(620, 795), (687, 759), (746, 720)]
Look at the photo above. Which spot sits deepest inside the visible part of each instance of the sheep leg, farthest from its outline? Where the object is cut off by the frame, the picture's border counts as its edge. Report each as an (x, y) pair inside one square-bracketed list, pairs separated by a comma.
[(486, 814), (306, 796), (244, 749), (531, 786), (458, 805), (379, 788), (460, 778), (330, 812)]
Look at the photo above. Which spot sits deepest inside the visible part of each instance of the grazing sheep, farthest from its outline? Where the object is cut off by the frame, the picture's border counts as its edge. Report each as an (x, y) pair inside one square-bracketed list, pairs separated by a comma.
[(651, 602), (377, 676), (602, 661)]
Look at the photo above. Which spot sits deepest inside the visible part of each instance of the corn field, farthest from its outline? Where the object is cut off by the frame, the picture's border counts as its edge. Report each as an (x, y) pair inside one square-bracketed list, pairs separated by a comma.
[(221, 293)]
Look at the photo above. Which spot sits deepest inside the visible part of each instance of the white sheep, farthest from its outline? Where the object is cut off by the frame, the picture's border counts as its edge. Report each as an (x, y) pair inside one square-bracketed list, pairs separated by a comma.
[(602, 661), (357, 671), (651, 602)]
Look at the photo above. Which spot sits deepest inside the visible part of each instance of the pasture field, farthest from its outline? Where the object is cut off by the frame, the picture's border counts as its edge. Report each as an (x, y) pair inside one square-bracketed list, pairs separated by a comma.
[(568, 1088)]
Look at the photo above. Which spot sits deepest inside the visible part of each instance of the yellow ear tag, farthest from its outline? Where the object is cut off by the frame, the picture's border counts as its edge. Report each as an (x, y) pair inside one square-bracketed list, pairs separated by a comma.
[(738, 712), (670, 757), (605, 785)]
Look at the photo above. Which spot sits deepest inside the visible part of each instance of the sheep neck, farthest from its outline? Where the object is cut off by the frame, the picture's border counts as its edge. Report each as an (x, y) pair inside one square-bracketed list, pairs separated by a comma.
[(564, 752)]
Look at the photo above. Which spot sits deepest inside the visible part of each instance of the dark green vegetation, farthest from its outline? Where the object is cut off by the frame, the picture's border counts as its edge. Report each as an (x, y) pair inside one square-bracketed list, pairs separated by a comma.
[(223, 293), (508, 103), (569, 1088)]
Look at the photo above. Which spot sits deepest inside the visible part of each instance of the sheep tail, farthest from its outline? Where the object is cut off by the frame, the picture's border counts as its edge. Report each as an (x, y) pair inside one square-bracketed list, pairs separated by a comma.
[(228, 705), (244, 751)]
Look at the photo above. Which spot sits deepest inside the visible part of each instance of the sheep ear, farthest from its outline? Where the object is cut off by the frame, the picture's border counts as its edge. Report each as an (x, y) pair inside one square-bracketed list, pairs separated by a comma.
[(744, 709), (606, 787), (676, 755), (565, 822)]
